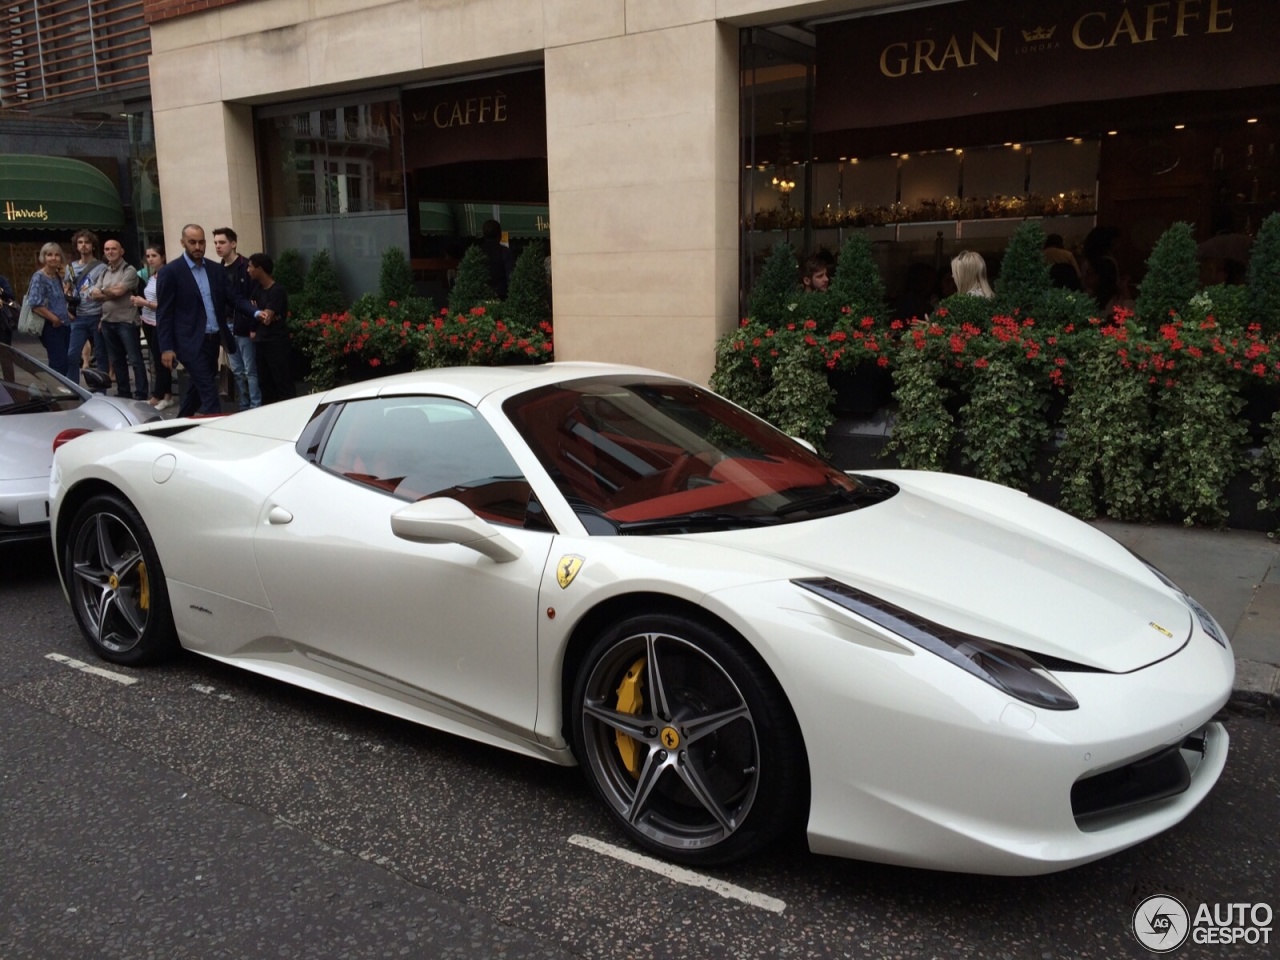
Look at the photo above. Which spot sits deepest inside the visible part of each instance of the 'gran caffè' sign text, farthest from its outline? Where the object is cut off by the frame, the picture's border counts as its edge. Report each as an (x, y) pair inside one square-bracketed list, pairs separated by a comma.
[(985, 56)]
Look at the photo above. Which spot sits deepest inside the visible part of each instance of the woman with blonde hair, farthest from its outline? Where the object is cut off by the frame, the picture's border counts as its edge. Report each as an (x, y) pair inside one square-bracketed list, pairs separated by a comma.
[(48, 299), (969, 271)]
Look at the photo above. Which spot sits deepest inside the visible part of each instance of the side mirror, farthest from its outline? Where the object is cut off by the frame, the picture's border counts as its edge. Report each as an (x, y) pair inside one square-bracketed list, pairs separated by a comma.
[(96, 379), (445, 520), (806, 444)]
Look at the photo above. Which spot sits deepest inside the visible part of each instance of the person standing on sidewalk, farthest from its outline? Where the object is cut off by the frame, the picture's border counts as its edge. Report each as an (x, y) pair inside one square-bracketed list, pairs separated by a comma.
[(162, 386), (114, 287), (47, 297), (191, 321), (270, 302), (82, 274), (244, 362)]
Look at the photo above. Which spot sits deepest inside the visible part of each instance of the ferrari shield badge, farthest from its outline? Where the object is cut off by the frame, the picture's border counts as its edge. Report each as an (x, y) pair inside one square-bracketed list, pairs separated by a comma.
[(567, 569)]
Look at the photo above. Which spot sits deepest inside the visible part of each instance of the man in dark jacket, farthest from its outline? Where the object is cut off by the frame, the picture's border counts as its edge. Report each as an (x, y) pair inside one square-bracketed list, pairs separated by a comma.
[(191, 320)]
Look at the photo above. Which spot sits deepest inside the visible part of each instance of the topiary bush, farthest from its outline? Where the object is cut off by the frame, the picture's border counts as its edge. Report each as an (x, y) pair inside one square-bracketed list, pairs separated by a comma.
[(322, 292), (395, 277), (528, 302), (291, 272), (1173, 274), (1263, 298), (1024, 274), (471, 287), (857, 285), (776, 290)]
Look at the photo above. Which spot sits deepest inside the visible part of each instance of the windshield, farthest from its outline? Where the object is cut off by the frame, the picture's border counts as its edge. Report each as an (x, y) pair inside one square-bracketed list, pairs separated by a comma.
[(27, 387), (661, 456)]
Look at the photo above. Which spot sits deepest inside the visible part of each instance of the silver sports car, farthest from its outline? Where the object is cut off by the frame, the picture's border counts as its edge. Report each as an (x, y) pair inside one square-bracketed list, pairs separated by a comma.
[(38, 409)]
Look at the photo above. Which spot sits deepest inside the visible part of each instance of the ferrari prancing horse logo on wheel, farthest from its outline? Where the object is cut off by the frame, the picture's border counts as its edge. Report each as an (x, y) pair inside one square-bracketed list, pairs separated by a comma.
[(567, 569)]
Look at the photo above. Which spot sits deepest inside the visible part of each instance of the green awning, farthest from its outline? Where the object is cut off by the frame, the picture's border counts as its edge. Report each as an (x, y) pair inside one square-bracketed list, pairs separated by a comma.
[(519, 220), (54, 193)]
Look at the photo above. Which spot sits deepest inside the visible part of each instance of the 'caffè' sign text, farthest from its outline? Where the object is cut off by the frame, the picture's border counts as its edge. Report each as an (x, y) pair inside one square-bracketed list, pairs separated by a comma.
[(466, 111)]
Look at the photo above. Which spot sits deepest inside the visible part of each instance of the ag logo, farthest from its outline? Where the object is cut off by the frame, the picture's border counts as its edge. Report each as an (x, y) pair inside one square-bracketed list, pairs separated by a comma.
[(1161, 923), (567, 569)]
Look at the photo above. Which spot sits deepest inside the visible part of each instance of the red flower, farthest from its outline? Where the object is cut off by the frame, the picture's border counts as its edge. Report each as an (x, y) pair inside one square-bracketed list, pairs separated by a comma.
[(811, 324), (375, 362), (882, 361), (867, 323), (392, 303), (477, 311), (981, 363)]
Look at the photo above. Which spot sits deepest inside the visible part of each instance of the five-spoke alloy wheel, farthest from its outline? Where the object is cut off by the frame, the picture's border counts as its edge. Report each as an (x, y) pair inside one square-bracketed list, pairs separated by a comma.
[(688, 740), (116, 584)]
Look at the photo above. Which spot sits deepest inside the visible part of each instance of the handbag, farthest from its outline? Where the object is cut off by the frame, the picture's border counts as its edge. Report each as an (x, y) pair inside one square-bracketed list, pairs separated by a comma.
[(30, 322)]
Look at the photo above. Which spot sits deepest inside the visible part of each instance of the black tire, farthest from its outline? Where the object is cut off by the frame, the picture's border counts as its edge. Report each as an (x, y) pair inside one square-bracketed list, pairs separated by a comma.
[(699, 760), (116, 584)]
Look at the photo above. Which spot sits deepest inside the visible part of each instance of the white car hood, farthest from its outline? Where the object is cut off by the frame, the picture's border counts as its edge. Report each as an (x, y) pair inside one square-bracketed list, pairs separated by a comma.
[(1052, 586)]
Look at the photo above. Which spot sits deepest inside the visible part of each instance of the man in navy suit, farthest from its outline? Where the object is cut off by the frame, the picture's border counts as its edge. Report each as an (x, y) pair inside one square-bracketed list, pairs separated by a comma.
[(191, 320)]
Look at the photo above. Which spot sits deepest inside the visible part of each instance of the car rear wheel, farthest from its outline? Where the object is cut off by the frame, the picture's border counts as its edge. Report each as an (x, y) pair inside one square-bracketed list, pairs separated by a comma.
[(116, 585), (688, 741)]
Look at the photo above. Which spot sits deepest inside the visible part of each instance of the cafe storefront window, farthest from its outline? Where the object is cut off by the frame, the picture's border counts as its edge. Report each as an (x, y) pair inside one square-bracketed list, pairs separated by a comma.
[(333, 179), (941, 128), (475, 151)]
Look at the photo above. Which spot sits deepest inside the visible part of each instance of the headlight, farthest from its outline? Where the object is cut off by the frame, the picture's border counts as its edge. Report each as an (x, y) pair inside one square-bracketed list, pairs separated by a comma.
[(1006, 668), (1207, 623)]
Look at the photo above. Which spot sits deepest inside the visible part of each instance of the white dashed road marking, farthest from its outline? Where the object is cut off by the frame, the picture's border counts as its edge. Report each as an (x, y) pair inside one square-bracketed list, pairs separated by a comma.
[(681, 875), (206, 689), (88, 668)]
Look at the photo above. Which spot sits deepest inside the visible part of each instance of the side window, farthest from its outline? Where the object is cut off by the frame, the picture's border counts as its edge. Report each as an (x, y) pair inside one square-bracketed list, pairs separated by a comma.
[(419, 447)]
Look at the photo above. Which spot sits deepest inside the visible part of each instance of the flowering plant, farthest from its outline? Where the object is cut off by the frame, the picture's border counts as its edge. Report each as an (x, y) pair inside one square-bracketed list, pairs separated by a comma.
[(373, 335), (480, 336)]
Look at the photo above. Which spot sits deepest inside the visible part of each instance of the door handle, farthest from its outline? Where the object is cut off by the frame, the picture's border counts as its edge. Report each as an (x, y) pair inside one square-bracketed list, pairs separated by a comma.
[(278, 515)]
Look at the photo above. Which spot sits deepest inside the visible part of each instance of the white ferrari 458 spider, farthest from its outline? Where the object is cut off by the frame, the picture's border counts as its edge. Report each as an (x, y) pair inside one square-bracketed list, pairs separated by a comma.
[(608, 566)]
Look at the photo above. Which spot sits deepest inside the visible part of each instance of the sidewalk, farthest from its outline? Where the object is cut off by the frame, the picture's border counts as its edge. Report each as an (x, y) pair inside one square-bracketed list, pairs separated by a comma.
[(1236, 575)]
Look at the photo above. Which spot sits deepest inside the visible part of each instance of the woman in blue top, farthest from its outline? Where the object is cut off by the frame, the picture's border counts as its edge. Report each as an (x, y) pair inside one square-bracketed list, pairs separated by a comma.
[(48, 299)]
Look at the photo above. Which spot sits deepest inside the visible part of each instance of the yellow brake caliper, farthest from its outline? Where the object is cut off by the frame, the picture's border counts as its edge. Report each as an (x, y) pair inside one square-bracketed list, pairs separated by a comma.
[(631, 700), (144, 587)]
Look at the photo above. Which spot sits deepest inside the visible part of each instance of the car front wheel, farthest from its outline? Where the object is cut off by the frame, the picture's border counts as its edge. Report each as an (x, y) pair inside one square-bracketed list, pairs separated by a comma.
[(116, 585), (689, 742)]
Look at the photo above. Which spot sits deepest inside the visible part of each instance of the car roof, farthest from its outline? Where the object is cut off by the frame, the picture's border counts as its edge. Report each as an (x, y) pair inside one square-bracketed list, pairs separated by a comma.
[(473, 384)]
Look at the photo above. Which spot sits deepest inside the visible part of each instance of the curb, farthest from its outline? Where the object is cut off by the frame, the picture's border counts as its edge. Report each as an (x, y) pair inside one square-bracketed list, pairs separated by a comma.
[(1257, 689)]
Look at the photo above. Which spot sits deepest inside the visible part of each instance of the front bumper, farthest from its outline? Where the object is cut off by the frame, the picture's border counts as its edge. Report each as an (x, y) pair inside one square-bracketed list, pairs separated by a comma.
[(914, 762)]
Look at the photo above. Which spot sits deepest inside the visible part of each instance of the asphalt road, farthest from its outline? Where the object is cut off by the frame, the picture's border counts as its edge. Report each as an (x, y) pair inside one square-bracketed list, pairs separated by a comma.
[(206, 813)]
